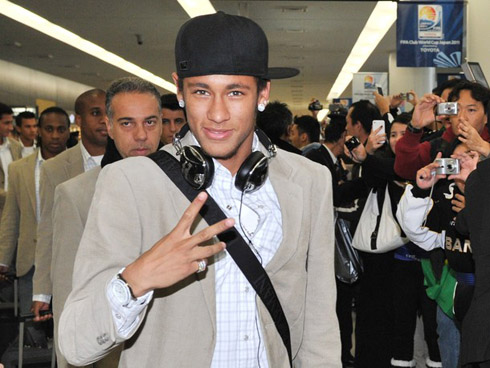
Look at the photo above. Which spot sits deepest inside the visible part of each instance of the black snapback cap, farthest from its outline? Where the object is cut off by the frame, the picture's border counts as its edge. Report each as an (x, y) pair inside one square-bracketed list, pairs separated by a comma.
[(224, 44)]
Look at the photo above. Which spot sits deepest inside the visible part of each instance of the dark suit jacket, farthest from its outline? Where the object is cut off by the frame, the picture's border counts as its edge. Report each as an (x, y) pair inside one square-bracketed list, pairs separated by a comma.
[(343, 193), (475, 219)]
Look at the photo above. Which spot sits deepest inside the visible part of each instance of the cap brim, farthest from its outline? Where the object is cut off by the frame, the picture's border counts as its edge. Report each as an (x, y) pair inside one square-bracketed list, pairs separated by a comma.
[(281, 73)]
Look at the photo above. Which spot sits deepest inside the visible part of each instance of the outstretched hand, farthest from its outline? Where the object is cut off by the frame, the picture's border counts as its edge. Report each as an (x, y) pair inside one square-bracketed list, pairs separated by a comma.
[(177, 254), (427, 177)]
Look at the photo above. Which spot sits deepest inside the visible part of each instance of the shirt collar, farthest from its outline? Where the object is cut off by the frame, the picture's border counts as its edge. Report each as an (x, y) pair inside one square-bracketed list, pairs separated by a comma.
[(334, 159), (5, 145), (86, 155)]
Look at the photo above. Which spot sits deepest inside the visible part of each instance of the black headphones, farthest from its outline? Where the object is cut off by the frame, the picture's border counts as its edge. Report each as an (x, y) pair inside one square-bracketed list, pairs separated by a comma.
[(198, 167)]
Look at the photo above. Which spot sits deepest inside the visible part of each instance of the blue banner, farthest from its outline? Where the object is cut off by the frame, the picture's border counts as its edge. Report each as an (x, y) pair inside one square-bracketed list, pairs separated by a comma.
[(430, 34)]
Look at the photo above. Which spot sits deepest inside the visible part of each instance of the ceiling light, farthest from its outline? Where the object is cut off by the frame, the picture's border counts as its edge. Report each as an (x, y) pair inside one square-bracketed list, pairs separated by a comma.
[(322, 114), (195, 8), (380, 21), (40, 24)]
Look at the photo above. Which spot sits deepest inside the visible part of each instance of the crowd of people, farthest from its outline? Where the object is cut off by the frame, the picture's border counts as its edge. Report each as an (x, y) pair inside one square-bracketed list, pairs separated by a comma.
[(224, 256)]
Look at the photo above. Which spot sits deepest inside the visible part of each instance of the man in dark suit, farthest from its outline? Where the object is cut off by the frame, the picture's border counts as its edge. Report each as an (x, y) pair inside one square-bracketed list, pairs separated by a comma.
[(329, 154), (344, 192)]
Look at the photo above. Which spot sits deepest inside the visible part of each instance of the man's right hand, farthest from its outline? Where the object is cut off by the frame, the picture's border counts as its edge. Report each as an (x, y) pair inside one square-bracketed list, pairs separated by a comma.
[(427, 177), (3, 273), (177, 254), (423, 113), (37, 307)]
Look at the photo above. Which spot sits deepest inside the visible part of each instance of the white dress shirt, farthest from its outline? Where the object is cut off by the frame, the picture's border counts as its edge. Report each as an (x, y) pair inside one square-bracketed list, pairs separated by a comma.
[(5, 159), (89, 161), (26, 151), (239, 340)]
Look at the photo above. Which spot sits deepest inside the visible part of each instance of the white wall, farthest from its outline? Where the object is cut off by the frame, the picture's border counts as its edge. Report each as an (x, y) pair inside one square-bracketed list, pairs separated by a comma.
[(477, 31), (21, 86)]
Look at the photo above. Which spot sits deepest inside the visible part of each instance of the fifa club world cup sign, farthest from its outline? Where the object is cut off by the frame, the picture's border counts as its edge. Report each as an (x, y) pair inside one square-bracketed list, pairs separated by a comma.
[(430, 34)]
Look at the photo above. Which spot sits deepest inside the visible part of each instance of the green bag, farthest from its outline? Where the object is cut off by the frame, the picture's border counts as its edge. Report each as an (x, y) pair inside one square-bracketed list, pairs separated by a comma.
[(442, 291)]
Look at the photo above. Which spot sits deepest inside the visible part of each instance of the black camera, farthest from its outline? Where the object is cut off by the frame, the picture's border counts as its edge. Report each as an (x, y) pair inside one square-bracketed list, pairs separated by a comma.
[(315, 106), (352, 143)]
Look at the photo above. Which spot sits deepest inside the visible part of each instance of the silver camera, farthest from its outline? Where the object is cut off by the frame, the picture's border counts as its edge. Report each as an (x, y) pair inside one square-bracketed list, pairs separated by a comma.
[(447, 166), (447, 108)]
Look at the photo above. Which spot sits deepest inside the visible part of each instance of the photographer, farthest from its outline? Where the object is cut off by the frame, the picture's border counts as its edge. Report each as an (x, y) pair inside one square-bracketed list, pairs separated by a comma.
[(467, 125), (429, 222), (392, 290)]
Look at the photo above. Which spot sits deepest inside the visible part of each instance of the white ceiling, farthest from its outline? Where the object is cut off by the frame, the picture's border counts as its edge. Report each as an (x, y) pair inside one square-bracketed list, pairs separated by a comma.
[(313, 36)]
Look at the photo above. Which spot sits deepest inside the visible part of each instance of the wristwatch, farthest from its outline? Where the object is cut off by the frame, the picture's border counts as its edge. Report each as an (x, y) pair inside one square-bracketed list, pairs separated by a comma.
[(122, 290), (412, 129)]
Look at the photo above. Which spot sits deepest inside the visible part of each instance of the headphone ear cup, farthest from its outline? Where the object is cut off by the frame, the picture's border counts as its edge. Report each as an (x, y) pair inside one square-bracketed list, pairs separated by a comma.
[(197, 167), (252, 174)]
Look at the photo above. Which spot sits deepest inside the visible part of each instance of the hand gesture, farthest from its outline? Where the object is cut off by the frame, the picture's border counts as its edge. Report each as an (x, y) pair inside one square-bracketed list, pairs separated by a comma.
[(469, 136), (427, 177), (423, 113), (458, 202), (414, 100), (382, 102), (467, 163), (37, 307), (375, 141), (358, 154), (3, 273), (396, 101), (177, 255)]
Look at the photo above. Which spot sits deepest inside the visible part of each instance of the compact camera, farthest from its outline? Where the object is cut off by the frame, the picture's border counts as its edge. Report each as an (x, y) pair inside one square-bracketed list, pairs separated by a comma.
[(447, 108), (447, 166), (352, 143)]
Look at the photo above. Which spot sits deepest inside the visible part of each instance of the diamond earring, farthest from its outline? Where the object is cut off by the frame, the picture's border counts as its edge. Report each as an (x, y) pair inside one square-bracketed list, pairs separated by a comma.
[(181, 104)]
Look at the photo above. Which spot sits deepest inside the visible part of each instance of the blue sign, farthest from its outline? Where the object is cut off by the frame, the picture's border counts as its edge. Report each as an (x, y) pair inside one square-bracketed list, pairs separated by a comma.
[(430, 34)]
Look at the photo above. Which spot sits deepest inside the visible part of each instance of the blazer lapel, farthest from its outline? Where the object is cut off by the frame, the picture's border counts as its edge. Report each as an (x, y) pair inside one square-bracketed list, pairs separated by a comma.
[(292, 210), (29, 178), (74, 162)]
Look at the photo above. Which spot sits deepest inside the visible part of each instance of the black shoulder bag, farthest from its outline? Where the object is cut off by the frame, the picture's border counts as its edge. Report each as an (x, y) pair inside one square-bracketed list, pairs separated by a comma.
[(235, 246)]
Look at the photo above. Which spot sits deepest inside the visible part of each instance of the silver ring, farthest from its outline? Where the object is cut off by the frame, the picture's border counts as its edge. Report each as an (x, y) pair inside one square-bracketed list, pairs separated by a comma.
[(201, 266)]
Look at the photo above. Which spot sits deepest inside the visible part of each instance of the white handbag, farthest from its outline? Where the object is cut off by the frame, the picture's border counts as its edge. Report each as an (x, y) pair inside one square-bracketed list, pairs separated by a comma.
[(378, 232)]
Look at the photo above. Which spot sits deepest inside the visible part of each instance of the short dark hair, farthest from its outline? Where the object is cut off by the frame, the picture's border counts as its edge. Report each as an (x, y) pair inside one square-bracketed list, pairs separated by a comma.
[(450, 83), (129, 85), (5, 110), (403, 118), (309, 125), (335, 128), (169, 101), (23, 115), (365, 112), (275, 120), (54, 110), (80, 101), (478, 92)]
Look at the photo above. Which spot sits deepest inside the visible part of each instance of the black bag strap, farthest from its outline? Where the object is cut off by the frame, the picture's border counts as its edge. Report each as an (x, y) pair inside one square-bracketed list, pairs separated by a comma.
[(380, 197), (238, 249)]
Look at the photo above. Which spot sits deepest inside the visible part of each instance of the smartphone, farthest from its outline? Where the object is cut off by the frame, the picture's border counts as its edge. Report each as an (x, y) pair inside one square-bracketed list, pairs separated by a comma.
[(380, 90), (377, 124)]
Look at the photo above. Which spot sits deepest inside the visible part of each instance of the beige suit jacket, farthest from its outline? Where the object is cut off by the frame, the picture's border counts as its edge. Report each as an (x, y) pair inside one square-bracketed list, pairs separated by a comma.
[(18, 224), (16, 152), (65, 166), (71, 204), (134, 205)]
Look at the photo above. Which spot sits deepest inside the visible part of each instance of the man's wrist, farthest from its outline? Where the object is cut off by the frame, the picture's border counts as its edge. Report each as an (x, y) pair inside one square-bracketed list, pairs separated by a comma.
[(413, 129)]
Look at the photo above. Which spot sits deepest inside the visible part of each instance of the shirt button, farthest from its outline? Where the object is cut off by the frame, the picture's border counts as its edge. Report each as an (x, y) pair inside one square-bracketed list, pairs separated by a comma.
[(228, 207), (245, 338), (118, 316), (247, 289)]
